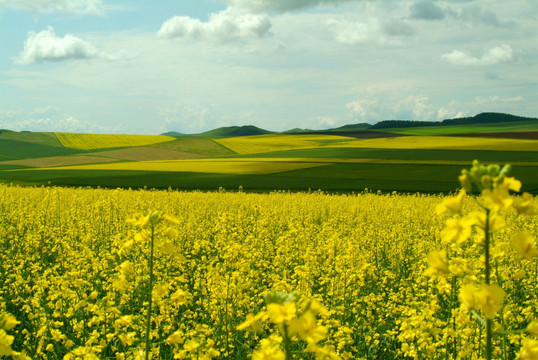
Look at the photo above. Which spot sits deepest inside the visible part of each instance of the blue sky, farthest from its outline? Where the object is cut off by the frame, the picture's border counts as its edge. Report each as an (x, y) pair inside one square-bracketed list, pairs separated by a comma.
[(148, 67)]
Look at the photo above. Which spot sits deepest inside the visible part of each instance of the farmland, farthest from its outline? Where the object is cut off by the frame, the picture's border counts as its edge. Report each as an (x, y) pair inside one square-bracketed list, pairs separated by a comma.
[(344, 161)]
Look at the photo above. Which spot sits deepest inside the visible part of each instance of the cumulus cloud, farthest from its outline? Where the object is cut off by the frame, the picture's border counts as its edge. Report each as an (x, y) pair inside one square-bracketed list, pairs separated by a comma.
[(280, 5), (45, 119), (498, 54), (48, 6), (188, 119), (378, 104), (226, 25), (354, 32), (426, 10), (46, 46)]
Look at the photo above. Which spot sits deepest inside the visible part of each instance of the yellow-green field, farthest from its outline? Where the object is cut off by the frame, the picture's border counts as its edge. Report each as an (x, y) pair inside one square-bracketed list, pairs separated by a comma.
[(267, 143), (219, 166), (105, 141), (443, 142)]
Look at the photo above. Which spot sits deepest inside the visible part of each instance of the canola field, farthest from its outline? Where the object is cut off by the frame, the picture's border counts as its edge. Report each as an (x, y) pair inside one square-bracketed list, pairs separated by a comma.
[(123, 274), (106, 141)]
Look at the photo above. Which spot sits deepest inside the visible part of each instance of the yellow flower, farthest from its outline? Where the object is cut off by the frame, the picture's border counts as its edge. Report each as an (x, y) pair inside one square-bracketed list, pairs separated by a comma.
[(175, 338), (490, 298), (179, 297), (532, 328), (452, 205), (438, 263), (529, 350), (8, 321), (269, 350), (457, 230), (5, 343), (497, 199), (468, 297), (308, 329), (525, 205), (525, 244), (495, 221), (253, 322), (465, 181), (511, 183), (281, 313), (127, 339), (191, 345), (123, 321), (317, 308), (127, 268)]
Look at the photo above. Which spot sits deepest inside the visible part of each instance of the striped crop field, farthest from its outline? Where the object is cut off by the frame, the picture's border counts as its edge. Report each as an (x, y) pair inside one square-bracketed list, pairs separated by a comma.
[(267, 143), (442, 142), (220, 166), (106, 141)]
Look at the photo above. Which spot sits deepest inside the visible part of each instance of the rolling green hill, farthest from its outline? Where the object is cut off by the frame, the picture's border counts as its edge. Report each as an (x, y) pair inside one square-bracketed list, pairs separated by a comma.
[(345, 159)]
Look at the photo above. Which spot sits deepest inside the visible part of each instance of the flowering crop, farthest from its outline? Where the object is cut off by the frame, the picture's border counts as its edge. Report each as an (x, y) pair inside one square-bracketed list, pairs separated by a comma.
[(261, 276), (104, 141)]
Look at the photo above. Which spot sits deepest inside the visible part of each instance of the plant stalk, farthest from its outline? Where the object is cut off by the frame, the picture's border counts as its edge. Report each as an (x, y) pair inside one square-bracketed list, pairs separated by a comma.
[(489, 322), (149, 291)]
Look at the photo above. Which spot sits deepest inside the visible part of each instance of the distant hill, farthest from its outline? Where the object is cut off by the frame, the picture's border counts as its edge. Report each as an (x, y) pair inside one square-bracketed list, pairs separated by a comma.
[(297, 131), (486, 118), (352, 127), (483, 118), (232, 131), (173, 133)]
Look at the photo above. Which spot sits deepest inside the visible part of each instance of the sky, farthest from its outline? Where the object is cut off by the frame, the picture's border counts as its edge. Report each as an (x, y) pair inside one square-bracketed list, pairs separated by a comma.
[(149, 67)]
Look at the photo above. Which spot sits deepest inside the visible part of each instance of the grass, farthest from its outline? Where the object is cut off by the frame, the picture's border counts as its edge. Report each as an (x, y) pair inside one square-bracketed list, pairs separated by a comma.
[(43, 138), (199, 146), (105, 141), (14, 149)]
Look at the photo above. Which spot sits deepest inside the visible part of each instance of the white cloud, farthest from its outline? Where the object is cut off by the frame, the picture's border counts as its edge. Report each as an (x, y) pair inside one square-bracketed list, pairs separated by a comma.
[(48, 6), (354, 32), (226, 25), (47, 119), (46, 46), (498, 54), (281, 5), (498, 99), (386, 103), (188, 119)]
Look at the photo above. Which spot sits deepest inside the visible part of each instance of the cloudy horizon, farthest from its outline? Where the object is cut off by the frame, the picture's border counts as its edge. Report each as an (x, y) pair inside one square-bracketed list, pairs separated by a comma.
[(190, 66)]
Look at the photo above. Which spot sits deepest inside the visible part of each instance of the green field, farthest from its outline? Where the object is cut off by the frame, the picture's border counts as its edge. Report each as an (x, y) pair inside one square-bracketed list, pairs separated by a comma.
[(261, 163)]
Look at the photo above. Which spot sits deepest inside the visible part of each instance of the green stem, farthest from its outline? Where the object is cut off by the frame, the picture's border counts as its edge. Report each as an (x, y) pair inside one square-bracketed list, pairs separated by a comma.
[(287, 343), (489, 322), (149, 291)]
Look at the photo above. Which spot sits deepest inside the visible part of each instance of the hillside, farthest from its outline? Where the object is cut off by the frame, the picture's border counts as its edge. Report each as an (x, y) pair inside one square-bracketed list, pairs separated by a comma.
[(232, 131)]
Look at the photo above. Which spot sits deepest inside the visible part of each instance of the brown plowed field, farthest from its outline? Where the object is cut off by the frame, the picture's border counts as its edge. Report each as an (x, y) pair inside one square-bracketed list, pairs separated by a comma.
[(528, 135)]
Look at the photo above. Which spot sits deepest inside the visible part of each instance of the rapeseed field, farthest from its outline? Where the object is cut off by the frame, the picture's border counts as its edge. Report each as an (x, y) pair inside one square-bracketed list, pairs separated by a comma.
[(106, 141), (125, 274)]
